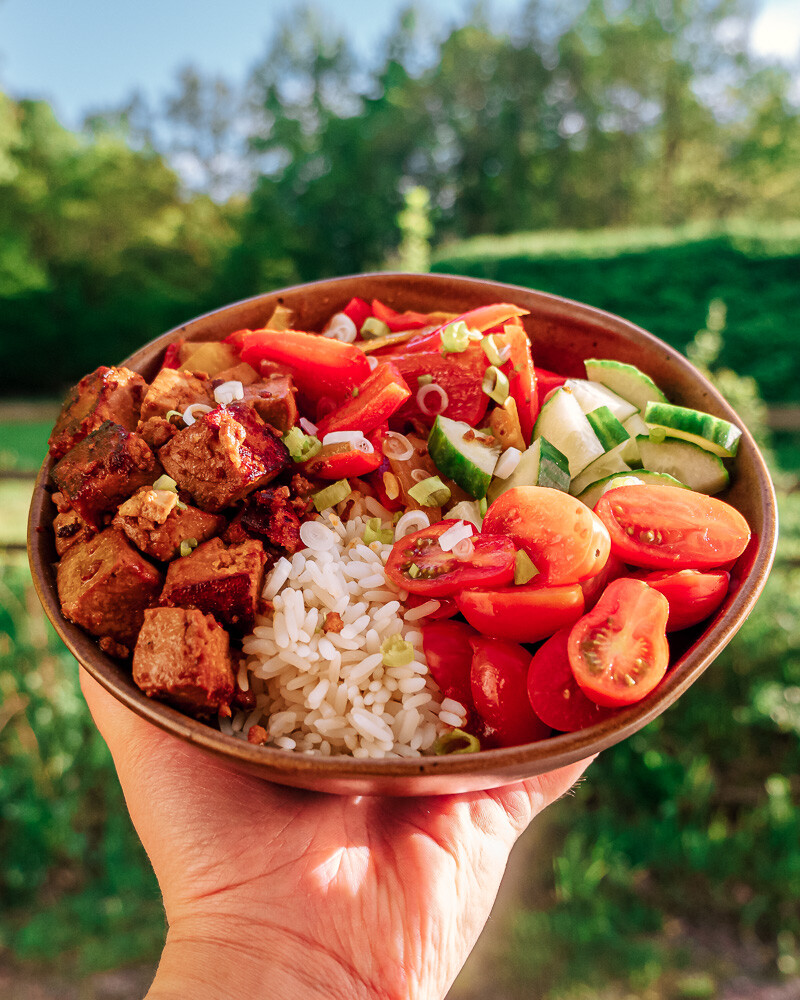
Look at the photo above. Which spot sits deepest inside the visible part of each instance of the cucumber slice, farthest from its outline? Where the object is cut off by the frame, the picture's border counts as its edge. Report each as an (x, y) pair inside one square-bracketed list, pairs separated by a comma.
[(635, 426), (699, 469), (592, 493), (539, 465), (463, 454), (564, 424), (626, 381), (610, 464), (590, 395), (466, 510), (712, 433), (610, 432)]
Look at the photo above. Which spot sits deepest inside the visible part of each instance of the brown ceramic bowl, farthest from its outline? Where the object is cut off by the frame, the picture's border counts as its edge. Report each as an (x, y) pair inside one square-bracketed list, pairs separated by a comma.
[(562, 333)]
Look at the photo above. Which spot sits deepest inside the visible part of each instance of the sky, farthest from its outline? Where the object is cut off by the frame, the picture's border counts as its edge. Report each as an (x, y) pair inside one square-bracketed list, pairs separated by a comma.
[(83, 55)]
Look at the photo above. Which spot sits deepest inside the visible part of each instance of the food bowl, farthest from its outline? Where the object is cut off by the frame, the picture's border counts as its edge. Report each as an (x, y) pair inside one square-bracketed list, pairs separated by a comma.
[(563, 333)]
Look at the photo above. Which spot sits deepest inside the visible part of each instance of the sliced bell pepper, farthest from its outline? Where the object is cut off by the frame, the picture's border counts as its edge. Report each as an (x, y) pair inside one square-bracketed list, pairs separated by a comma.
[(408, 320), (172, 355), (375, 401), (481, 319), (358, 310), (321, 366), (546, 381), (521, 376), (460, 375), (340, 461)]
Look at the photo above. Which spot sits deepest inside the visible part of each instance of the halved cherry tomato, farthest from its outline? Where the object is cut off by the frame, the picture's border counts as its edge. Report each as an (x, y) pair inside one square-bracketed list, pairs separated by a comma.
[(418, 563), (618, 651), (525, 613), (447, 607), (376, 399), (553, 691), (408, 320), (449, 656), (665, 527), (566, 542), (460, 375), (499, 679), (521, 376), (321, 366), (692, 595), (595, 585)]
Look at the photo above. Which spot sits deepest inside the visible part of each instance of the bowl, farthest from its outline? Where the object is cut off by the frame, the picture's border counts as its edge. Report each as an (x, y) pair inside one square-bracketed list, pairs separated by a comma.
[(563, 333)]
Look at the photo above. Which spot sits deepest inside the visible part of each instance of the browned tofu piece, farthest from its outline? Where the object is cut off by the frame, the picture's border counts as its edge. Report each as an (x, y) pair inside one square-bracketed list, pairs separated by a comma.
[(273, 398), (69, 528), (103, 470), (224, 581), (106, 394), (105, 585), (270, 515), (242, 372), (156, 522), (183, 657), (209, 356), (223, 456), (171, 389)]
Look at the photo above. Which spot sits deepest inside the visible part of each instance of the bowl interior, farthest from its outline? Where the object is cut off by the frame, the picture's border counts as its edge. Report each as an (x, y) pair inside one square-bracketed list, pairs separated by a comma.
[(562, 333)]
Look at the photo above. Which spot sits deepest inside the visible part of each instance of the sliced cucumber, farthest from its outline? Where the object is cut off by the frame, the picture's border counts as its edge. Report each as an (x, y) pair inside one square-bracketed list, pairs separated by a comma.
[(467, 510), (590, 395), (712, 433), (610, 432), (463, 454), (626, 381), (610, 464), (592, 493), (699, 469), (563, 423), (635, 426), (539, 465)]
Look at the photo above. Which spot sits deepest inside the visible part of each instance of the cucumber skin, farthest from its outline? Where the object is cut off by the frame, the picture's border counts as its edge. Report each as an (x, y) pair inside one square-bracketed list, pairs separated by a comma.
[(592, 493), (455, 465), (648, 391), (552, 470), (665, 456), (546, 416), (712, 433)]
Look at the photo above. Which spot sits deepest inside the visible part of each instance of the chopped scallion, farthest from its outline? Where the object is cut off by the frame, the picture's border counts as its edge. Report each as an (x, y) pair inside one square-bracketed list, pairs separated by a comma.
[(373, 327), (424, 380), (188, 545), (524, 570), (491, 350), (495, 384), (455, 338), (375, 532), (397, 652), (431, 492), (301, 446), (165, 482), (173, 413), (456, 741), (413, 571), (331, 495), (483, 506)]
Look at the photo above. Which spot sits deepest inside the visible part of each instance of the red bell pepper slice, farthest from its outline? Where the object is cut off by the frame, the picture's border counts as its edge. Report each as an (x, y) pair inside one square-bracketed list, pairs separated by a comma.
[(546, 381), (460, 375), (358, 310), (320, 366), (408, 320), (483, 318), (333, 463), (521, 376), (377, 399), (172, 355)]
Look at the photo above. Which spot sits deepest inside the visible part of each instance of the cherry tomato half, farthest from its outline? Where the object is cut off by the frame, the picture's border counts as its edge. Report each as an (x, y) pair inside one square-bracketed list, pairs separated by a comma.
[(499, 679), (553, 691), (618, 651), (665, 527), (594, 586), (692, 595), (565, 540), (420, 565), (525, 613)]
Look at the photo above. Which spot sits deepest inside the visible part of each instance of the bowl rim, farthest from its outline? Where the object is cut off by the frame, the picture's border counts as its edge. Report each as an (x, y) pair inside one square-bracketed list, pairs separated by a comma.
[(512, 763)]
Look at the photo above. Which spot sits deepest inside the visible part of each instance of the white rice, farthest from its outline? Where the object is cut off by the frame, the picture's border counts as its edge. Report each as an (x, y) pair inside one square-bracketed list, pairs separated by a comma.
[(330, 693)]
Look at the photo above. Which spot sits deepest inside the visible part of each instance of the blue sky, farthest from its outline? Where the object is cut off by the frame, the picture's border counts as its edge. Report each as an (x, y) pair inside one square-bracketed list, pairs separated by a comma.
[(86, 54)]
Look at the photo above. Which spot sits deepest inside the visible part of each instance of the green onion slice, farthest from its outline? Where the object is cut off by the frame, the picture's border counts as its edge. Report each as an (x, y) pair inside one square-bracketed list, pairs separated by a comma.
[(375, 532), (431, 492), (165, 482), (413, 571), (524, 570), (301, 446), (173, 413), (331, 495), (455, 338), (495, 384), (456, 741), (188, 545), (396, 651), (373, 327), (424, 380)]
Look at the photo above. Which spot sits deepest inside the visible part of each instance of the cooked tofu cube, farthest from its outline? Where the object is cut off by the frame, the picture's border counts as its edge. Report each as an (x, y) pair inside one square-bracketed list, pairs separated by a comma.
[(269, 514), (104, 469), (156, 522), (183, 657), (171, 389), (223, 456), (221, 580), (105, 585), (113, 394), (69, 528), (273, 398), (242, 372)]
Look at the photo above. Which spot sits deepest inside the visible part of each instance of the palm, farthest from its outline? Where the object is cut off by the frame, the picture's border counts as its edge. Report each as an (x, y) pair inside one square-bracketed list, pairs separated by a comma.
[(383, 887)]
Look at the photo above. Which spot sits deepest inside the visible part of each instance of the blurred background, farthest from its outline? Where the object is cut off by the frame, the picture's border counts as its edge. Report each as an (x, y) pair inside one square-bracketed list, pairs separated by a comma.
[(157, 162)]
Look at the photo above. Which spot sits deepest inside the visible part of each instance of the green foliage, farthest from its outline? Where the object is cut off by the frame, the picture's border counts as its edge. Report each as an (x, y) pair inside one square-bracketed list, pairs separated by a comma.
[(664, 282)]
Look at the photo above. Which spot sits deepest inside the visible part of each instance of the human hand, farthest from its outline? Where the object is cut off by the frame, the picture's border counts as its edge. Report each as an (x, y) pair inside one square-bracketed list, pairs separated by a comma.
[(279, 893)]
